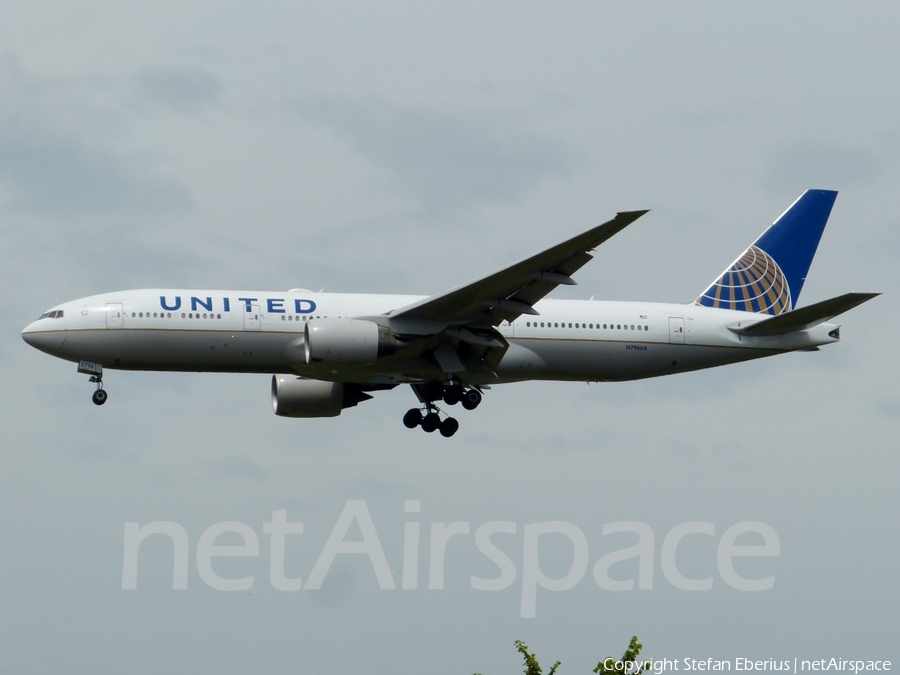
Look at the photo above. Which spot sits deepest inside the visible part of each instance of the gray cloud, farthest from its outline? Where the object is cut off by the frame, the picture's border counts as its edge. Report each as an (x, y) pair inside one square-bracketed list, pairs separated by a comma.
[(447, 161), (235, 466), (70, 197), (888, 408), (183, 90), (48, 172), (824, 165)]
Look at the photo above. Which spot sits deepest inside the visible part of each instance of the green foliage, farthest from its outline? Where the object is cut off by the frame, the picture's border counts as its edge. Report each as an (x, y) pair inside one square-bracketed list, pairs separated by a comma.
[(631, 656), (532, 667)]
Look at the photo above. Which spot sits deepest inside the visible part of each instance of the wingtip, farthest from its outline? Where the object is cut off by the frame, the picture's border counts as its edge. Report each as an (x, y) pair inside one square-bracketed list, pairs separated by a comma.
[(863, 296), (632, 214)]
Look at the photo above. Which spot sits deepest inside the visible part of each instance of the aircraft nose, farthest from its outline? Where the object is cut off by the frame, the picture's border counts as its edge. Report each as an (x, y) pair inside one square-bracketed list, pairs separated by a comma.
[(39, 339), (28, 334)]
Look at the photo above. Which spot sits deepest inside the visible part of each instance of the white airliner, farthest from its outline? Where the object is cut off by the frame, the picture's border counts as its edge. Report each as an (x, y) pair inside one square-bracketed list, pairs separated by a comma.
[(331, 350)]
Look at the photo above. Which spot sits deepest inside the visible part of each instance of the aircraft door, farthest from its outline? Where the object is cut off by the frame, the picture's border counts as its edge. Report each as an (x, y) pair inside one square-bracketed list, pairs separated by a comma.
[(676, 330), (114, 315), (251, 317)]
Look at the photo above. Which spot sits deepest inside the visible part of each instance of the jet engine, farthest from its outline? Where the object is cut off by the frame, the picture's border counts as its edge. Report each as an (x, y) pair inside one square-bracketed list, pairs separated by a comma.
[(346, 341), (296, 397)]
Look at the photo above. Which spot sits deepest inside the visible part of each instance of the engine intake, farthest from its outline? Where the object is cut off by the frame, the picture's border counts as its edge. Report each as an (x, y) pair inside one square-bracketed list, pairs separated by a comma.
[(346, 341)]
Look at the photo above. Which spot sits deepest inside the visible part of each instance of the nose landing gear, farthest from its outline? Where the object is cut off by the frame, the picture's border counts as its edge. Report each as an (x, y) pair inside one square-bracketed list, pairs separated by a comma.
[(99, 397), (95, 370)]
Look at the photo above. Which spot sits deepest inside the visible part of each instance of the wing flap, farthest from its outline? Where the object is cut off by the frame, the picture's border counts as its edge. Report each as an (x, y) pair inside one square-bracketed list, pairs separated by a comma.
[(805, 317)]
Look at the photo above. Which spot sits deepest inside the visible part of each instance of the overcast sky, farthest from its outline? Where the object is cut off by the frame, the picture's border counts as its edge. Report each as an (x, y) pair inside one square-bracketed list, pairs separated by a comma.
[(406, 148)]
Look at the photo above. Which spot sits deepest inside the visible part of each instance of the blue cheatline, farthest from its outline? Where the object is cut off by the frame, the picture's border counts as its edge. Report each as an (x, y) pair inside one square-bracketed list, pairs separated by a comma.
[(768, 276)]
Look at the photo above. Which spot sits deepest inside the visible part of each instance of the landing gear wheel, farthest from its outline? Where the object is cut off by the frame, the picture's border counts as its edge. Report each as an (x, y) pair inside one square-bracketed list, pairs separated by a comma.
[(431, 422), (471, 399), (99, 397), (453, 394), (449, 427), (412, 418)]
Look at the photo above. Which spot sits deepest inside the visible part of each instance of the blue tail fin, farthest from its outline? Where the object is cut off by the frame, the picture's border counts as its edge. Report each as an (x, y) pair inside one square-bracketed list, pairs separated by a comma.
[(768, 276)]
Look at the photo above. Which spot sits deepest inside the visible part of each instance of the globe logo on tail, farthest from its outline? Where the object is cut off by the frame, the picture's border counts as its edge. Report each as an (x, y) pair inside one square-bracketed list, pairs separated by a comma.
[(754, 283)]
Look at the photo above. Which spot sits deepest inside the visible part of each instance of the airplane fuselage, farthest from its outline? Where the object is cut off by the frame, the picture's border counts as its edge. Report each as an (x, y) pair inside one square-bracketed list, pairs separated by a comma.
[(262, 332)]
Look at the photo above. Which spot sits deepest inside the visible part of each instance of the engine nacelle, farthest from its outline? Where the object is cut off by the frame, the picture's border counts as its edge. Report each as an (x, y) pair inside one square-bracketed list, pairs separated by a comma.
[(346, 341), (296, 397)]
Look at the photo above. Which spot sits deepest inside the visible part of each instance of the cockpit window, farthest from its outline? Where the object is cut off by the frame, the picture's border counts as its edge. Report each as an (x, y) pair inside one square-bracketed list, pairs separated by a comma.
[(55, 314), (45, 315), (59, 314)]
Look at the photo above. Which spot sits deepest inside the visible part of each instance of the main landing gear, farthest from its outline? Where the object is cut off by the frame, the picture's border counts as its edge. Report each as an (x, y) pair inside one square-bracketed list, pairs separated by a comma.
[(95, 370), (430, 421), (429, 416)]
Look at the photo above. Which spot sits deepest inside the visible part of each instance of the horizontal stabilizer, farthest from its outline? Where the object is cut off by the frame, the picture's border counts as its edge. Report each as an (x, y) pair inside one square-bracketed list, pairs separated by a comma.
[(806, 317)]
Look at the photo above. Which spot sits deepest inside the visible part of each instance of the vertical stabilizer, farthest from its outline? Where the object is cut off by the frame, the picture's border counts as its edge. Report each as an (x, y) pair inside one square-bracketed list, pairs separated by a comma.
[(768, 276)]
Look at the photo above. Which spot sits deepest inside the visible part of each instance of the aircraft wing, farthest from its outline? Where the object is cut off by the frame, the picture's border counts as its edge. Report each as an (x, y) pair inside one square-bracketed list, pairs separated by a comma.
[(805, 317), (514, 290)]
